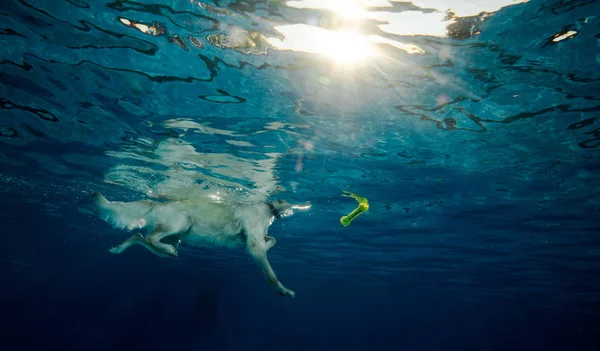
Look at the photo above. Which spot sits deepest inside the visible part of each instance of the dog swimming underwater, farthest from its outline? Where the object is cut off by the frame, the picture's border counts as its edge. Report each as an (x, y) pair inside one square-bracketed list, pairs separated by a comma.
[(199, 223)]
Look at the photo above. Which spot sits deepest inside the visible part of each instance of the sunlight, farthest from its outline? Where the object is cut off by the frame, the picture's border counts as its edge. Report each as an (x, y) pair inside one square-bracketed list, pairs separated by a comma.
[(348, 47), (466, 7), (343, 47), (413, 22), (353, 9), (215, 197), (349, 9)]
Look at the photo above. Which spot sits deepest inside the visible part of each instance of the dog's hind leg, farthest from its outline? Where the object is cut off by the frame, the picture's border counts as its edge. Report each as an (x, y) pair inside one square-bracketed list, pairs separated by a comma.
[(269, 242), (257, 248), (137, 239), (134, 239), (157, 235)]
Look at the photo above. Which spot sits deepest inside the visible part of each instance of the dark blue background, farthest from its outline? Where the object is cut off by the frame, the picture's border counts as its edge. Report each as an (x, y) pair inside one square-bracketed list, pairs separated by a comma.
[(71, 294)]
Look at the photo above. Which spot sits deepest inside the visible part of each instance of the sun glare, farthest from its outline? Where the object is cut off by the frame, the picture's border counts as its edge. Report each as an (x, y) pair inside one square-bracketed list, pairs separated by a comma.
[(348, 47), (343, 47), (349, 9), (343, 41), (344, 44)]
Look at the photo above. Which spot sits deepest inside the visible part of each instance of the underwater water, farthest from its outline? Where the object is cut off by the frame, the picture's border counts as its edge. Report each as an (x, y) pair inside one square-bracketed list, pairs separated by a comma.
[(471, 127)]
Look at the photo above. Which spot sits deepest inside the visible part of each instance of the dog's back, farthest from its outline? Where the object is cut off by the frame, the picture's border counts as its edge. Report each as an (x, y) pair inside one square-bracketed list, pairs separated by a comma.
[(123, 215)]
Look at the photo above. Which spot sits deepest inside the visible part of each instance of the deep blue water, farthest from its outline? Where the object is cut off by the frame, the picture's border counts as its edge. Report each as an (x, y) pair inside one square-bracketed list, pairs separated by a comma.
[(477, 148)]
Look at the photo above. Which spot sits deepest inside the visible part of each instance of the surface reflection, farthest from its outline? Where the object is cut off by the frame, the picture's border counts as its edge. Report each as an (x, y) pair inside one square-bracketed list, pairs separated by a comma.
[(345, 44), (178, 169)]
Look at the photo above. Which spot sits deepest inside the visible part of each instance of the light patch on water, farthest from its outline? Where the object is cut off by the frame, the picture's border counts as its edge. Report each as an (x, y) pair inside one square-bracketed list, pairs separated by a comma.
[(188, 188), (240, 143), (346, 45), (282, 127), (352, 9), (187, 125), (349, 9), (181, 167), (412, 23), (568, 35), (466, 8)]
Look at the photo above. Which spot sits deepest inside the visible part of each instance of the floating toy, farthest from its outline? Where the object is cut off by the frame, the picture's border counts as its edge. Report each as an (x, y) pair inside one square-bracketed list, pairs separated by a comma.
[(363, 206)]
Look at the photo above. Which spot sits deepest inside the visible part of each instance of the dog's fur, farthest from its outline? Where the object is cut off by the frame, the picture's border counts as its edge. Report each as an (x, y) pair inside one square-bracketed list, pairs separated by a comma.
[(199, 223)]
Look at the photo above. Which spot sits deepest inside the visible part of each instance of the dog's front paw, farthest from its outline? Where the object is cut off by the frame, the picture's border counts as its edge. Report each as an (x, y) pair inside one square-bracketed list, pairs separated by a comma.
[(171, 251), (283, 291), (115, 250)]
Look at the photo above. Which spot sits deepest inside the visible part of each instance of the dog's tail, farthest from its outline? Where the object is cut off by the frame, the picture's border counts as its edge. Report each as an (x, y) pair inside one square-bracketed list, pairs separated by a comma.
[(100, 200), (128, 215)]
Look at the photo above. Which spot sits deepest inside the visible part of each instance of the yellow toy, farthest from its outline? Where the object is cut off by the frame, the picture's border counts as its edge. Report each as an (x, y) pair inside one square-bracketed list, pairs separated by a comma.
[(363, 206)]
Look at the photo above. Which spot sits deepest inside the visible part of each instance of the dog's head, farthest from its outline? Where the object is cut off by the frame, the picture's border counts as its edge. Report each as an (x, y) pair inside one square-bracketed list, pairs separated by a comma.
[(280, 208)]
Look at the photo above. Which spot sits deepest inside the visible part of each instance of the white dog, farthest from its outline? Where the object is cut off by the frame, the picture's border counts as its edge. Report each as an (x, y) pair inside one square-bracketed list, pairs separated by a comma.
[(199, 223)]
